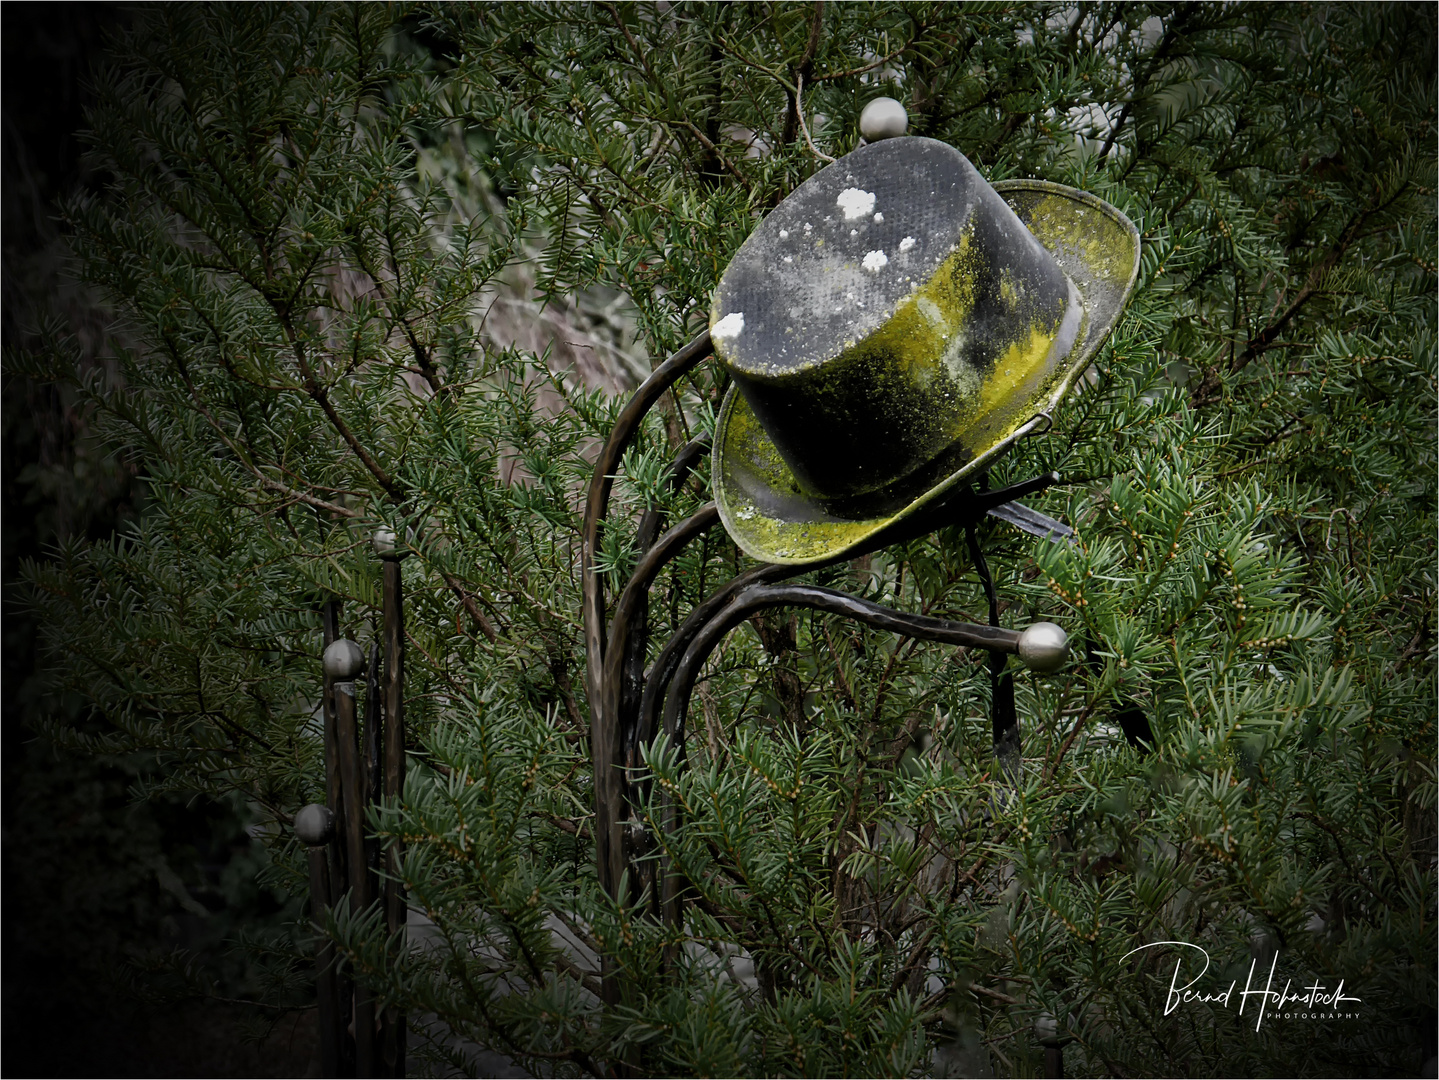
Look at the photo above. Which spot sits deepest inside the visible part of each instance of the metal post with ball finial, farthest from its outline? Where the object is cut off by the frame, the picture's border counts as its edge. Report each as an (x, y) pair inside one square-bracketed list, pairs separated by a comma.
[(1048, 1034), (315, 826), (391, 552), (343, 660), (353, 1040)]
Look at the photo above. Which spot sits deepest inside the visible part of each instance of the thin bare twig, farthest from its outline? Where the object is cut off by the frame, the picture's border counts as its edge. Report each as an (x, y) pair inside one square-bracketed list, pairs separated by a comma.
[(799, 106)]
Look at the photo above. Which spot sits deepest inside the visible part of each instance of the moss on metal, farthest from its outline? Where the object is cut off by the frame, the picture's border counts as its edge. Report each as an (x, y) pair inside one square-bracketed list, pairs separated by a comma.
[(752, 450), (1058, 222), (755, 448), (928, 377), (761, 502)]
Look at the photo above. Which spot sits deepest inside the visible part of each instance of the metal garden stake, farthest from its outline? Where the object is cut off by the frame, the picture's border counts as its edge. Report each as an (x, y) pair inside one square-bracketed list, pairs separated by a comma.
[(351, 1047), (343, 661), (338, 876), (359, 1046), (890, 330), (392, 1022), (315, 826)]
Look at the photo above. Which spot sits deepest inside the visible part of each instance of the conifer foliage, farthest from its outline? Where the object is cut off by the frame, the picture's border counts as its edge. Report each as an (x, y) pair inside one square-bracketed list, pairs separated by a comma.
[(350, 253)]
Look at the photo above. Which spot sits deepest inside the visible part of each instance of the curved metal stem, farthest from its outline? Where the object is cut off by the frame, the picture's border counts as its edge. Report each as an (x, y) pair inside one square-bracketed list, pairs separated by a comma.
[(657, 680), (965, 507), (632, 640), (629, 608), (623, 677), (598, 498), (749, 598), (605, 745), (758, 597), (679, 471)]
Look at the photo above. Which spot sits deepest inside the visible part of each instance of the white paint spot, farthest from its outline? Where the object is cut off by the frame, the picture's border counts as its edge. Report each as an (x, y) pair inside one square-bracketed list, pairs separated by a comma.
[(855, 203), (878, 218), (789, 258), (906, 243), (876, 261), (728, 327), (784, 234)]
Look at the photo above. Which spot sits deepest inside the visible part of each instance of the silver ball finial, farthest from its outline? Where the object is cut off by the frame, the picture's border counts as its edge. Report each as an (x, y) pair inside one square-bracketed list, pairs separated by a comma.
[(1046, 1030), (315, 824), (343, 659), (883, 118), (1044, 647), (384, 542)]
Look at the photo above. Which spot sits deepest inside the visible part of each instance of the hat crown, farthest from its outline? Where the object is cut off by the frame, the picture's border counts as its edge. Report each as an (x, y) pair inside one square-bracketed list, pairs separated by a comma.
[(889, 310)]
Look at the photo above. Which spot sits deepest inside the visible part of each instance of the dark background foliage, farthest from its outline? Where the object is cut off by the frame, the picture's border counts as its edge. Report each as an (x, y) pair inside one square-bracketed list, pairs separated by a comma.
[(94, 881)]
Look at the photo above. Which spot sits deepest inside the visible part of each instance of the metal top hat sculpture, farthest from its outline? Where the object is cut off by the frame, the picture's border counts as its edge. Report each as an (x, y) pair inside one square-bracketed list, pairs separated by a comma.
[(893, 327), (890, 329)]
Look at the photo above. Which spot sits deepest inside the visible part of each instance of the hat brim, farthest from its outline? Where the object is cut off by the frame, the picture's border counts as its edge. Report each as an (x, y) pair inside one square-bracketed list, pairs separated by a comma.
[(773, 520)]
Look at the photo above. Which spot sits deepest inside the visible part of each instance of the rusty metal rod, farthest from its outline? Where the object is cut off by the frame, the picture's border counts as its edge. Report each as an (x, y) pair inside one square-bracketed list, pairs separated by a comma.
[(631, 600), (759, 597), (326, 991), (392, 1031), (348, 738), (334, 785), (335, 848), (354, 826), (371, 774), (633, 642)]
